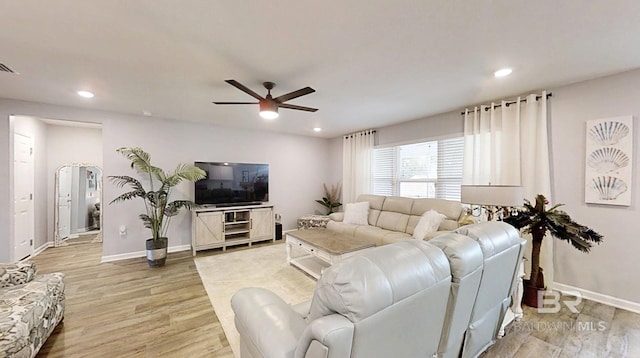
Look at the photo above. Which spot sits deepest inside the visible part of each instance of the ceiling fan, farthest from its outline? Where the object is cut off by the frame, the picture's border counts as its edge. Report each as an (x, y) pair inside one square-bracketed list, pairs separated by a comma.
[(269, 105)]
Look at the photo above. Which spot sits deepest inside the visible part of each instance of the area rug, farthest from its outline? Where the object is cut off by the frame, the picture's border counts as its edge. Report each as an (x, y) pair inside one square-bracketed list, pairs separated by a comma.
[(224, 274)]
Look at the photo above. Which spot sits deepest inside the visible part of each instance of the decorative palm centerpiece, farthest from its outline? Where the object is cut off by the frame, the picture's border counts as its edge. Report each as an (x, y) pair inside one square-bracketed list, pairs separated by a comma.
[(330, 198), (159, 210), (538, 220)]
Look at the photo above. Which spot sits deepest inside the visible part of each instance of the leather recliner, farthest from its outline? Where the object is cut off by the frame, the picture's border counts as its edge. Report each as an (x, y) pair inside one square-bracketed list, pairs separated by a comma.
[(388, 301), (502, 248)]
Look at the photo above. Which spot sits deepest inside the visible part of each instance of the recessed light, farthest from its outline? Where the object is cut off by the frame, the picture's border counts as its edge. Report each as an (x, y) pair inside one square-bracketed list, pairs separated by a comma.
[(85, 94), (502, 72), (146, 113), (317, 129)]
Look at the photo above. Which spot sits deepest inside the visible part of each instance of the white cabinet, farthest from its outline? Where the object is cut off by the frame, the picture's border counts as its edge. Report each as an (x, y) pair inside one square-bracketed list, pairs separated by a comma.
[(262, 224), (208, 229), (227, 226)]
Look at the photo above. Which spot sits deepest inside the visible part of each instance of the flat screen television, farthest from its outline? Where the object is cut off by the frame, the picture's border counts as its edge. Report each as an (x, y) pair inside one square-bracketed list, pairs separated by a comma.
[(229, 184)]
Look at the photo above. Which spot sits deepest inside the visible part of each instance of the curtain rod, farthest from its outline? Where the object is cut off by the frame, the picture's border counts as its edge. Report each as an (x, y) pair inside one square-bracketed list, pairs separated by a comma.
[(347, 136), (512, 102)]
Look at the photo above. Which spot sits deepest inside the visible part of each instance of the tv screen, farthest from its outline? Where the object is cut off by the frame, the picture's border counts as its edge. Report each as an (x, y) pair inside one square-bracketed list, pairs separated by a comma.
[(232, 183)]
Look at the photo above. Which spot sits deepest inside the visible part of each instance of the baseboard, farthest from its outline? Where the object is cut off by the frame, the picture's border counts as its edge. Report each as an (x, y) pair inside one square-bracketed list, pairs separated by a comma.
[(136, 254), (45, 246), (599, 297)]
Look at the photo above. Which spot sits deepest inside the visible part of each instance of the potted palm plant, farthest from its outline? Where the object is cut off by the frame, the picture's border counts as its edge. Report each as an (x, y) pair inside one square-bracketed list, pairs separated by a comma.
[(330, 198), (159, 210), (538, 220)]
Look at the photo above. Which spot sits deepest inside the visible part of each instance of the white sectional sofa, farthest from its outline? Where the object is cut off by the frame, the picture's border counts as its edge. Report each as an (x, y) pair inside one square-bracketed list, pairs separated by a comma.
[(394, 218), (443, 298)]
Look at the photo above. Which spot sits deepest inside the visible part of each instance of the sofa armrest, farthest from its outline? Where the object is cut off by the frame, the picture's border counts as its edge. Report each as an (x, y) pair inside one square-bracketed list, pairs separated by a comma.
[(266, 323), (337, 216), (328, 336), (17, 273)]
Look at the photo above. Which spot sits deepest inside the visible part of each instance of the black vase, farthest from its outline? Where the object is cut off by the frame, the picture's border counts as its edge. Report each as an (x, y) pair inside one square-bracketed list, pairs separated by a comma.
[(157, 251)]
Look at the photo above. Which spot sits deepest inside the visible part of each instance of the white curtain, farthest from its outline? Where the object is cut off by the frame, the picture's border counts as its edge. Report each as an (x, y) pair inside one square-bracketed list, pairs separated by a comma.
[(357, 150), (507, 144)]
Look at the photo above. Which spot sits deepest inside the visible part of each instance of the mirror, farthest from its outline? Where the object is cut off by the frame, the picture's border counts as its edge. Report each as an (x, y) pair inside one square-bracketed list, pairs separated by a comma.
[(77, 211)]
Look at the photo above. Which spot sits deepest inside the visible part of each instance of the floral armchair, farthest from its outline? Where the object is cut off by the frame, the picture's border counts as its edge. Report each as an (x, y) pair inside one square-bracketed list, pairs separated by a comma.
[(30, 308)]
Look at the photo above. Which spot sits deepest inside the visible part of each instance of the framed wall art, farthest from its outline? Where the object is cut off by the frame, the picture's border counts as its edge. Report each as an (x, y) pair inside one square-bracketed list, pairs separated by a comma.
[(608, 169)]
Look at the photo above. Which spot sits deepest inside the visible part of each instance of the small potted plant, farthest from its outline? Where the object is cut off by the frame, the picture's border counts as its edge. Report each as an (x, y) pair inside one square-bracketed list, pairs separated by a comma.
[(538, 220), (330, 198), (159, 210)]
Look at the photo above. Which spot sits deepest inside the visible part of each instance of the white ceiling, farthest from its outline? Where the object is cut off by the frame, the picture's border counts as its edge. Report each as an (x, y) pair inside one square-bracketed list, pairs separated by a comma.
[(372, 63)]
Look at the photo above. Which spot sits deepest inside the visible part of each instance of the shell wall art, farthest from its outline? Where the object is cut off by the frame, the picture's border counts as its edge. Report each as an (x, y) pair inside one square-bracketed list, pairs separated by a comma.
[(608, 156)]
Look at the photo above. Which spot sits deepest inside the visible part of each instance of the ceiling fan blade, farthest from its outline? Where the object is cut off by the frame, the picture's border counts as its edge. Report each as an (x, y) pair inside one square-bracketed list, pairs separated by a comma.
[(244, 89), (300, 108), (236, 102), (294, 94)]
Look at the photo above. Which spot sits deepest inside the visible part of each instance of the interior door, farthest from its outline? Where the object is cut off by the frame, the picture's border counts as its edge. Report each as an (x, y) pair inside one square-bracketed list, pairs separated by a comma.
[(23, 196), (64, 201)]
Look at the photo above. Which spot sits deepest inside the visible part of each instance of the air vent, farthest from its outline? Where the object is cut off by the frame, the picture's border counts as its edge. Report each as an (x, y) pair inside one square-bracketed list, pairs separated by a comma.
[(5, 68)]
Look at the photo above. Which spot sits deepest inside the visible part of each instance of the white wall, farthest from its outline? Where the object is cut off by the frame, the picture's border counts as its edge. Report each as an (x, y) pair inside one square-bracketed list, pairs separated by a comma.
[(435, 127), (299, 165), (611, 268)]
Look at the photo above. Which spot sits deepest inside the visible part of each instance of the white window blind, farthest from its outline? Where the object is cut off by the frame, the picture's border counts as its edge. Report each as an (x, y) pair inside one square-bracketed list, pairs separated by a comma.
[(450, 153), (422, 170), (384, 168)]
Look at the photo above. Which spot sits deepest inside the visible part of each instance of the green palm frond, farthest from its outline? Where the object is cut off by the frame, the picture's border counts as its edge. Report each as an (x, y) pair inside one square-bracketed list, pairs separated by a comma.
[(538, 221), (156, 202), (128, 196), (122, 180), (175, 206)]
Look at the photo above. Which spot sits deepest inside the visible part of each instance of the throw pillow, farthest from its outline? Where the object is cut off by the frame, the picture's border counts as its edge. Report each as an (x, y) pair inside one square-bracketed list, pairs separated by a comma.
[(356, 213), (429, 222)]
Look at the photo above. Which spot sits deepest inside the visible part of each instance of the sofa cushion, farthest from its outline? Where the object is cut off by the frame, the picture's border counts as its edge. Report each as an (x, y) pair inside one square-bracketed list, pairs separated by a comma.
[(375, 206), (370, 233), (393, 221), (395, 213), (356, 213), (398, 204), (394, 236), (342, 228), (429, 222)]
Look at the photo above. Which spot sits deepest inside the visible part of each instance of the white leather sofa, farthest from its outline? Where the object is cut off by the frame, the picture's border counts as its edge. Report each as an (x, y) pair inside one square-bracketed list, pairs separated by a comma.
[(394, 218), (412, 298)]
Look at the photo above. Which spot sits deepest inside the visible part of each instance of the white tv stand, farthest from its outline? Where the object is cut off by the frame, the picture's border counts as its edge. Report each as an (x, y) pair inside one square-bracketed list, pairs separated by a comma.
[(214, 227)]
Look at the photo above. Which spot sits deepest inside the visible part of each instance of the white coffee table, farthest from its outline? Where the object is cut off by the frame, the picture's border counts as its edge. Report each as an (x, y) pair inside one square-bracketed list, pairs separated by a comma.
[(321, 248)]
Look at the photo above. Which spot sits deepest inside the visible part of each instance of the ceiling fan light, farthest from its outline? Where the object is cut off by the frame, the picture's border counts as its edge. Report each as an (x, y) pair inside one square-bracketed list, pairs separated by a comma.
[(269, 114), (268, 110)]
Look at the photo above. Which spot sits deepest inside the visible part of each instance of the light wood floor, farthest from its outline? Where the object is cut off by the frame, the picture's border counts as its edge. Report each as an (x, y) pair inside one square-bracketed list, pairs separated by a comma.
[(125, 309)]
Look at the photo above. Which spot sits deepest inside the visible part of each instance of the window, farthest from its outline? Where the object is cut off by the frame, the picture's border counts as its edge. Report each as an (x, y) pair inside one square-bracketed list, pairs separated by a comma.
[(422, 170)]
